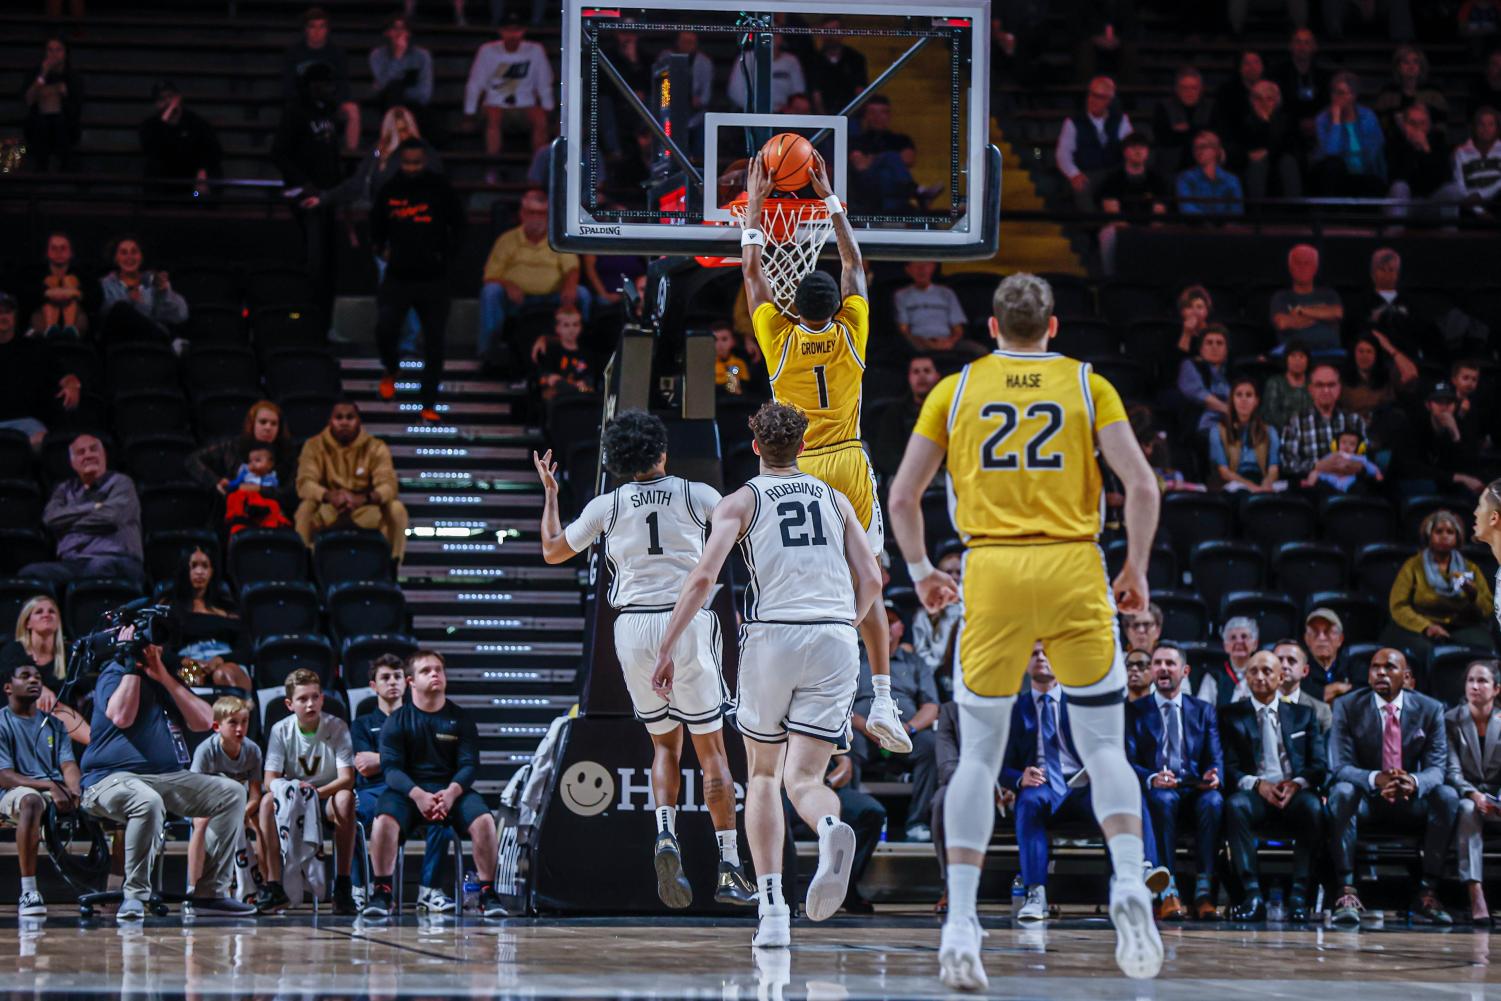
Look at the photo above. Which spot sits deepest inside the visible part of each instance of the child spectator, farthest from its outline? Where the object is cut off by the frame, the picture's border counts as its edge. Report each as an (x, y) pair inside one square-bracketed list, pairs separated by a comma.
[(1348, 444), (229, 752), (249, 503), (562, 365), (730, 370), (309, 758)]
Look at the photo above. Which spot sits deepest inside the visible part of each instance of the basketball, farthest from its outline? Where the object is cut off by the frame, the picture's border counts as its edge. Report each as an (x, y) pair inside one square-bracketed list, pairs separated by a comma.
[(789, 161)]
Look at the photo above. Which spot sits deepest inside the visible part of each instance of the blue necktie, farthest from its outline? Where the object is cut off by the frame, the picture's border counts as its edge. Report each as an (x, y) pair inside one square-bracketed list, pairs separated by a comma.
[(1050, 755), (1174, 753)]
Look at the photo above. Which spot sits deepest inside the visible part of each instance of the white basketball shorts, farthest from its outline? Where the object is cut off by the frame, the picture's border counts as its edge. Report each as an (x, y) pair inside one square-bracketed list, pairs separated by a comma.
[(797, 677), (698, 695)]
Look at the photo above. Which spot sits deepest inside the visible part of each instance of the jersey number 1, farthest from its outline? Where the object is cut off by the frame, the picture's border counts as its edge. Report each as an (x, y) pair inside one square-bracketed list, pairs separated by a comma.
[(654, 547), (823, 387), (794, 515)]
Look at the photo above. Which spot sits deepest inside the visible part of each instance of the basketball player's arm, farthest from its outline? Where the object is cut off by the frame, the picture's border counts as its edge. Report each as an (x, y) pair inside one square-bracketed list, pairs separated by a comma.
[(919, 465), (852, 268), (1123, 455), (757, 187), (863, 569), (556, 547), (729, 521)]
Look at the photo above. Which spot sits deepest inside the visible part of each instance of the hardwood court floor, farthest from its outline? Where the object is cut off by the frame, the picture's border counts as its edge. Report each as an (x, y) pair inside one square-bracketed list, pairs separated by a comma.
[(844, 958)]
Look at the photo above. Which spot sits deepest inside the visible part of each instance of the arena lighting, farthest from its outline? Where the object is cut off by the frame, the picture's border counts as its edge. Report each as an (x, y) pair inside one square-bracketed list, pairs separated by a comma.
[(503, 623), (485, 596), (512, 675), (443, 408), (454, 499), (468, 547), (477, 571), (441, 474), (446, 453), (438, 532), (517, 701), (502, 648), (431, 429)]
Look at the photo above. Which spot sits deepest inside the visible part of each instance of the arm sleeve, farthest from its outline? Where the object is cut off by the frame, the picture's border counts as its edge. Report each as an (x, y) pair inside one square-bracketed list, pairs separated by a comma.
[(309, 476), (360, 739), (933, 421), (1318, 752), (7, 750), (499, 260), (1063, 155), (1273, 447), (200, 759), (475, 85), (275, 750), (592, 521), (64, 745), (1108, 408), (1190, 382), (704, 499), (1454, 773), (383, 482), (393, 755), (343, 745), (424, 94), (1217, 456), (468, 757), (948, 743), (1292, 451), (542, 77), (1435, 755), (1125, 128), (927, 687)]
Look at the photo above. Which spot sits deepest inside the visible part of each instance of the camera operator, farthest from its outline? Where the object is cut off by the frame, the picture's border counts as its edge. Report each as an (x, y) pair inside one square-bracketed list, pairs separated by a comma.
[(136, 771)]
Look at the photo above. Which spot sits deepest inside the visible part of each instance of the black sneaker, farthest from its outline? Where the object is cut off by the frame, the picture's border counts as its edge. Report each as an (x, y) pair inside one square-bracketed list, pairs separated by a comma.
[(672, 886), (272, 900), (733, 887), (489, 903), (379, 905), (344, 897)]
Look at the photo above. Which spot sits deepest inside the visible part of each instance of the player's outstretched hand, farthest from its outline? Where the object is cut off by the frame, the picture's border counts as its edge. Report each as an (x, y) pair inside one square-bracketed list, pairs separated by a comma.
[(661, 675), (1130, 590), (757, 186), (546, 471), (820, 177), (937, 590)]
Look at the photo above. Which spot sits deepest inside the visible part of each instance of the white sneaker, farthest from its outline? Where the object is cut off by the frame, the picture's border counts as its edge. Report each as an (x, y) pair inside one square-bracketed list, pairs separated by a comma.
[(1036, 907), (360, 896), (1138, 947), (959, 965), (31, 905), (775, 929), (884, 722), (131, 910), (836, 857), (434, 901)]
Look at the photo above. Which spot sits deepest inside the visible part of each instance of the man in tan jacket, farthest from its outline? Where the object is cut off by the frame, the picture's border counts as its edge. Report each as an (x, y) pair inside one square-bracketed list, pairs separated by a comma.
[(345, 478)]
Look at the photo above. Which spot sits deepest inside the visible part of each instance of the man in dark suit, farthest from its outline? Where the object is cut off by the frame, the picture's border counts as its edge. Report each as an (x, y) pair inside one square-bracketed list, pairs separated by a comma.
[(1274, 766), (1174, 744), (947, 729), (1388, 754)]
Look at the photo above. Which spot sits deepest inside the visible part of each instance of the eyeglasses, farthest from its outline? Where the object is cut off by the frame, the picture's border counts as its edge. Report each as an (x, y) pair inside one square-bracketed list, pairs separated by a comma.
[(1138, 664), (1139, 627)]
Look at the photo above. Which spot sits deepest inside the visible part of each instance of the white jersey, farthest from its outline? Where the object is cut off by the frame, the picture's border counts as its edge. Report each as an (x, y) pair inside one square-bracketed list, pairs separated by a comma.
[(794, 550), (654, 535)]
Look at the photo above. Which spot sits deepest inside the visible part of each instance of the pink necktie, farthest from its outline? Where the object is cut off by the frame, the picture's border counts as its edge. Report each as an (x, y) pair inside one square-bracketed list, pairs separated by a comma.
[(1391, 740)]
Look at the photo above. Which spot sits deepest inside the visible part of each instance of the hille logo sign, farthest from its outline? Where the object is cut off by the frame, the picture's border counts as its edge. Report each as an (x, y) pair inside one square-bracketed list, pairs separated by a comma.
[(588, 789)]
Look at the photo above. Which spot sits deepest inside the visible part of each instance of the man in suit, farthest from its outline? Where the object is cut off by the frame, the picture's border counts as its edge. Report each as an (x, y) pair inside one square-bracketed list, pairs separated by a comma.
[(1274, 766), (947, 729), (1475, 774), (1294, 669), (1173, 743), (1388, 754)]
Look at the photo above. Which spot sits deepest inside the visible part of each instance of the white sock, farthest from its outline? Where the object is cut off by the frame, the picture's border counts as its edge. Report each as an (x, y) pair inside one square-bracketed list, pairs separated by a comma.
[(729, 846), (28, 884), (964, 887), (667, 819), (771, 890), (1126, 853)]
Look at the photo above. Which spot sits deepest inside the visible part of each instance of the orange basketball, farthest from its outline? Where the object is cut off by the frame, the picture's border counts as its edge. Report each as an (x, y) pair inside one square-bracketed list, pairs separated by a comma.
[(789, 161)]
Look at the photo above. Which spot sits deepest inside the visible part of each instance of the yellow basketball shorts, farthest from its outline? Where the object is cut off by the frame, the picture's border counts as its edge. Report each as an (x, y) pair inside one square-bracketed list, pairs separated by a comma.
[(846, 468), (1015, 595)]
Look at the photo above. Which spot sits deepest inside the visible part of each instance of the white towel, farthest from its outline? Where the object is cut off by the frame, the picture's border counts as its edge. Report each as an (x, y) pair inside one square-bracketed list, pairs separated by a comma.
[(299, 829)]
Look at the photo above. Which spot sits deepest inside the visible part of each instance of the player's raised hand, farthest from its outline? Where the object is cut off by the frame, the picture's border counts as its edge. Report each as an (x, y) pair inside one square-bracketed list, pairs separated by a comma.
[(546, 471), (661, 675), (1130, 590), (757, 187), (936, 591), (819, 175)]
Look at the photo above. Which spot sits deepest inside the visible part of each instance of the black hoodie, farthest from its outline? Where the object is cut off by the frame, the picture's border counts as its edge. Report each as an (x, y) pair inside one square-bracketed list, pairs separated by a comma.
[(419, 220)]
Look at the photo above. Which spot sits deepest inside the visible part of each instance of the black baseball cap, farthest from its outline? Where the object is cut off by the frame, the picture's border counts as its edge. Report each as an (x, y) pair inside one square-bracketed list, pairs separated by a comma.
[(164, 87), (1442, 391), (8, 303), (1136, 139)]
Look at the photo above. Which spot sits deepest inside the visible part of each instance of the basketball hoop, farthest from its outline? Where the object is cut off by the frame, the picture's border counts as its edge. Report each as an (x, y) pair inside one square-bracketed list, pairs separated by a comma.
[(796, 230)]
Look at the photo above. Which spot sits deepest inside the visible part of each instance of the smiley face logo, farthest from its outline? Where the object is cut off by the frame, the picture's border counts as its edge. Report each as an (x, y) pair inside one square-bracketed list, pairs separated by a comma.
[(587, 788)]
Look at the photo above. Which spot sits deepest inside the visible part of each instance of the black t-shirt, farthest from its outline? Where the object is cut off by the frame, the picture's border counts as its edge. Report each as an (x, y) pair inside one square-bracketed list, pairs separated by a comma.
[(1136, 193), (578, 366), (365, 735), (431, 750)]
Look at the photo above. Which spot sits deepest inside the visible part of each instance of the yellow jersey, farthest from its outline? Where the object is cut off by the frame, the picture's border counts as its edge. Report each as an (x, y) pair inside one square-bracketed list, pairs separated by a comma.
[(818, 371), (1020, 432)]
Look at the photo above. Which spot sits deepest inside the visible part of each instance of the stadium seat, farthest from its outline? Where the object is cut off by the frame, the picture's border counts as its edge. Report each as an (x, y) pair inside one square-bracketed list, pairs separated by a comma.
[(1363, 616), (272, 703), (1376, 566), (175, 505), (220, 326), (358, 608), (278, 655), (1084, 338), (350, 554), (270, 607), (1221, 566), (1249, 340), (1301, 568), (1445, 672), (293, 371), (221, 414), (1358, 658), (1130, 378), (1185, 617), (259, 554), (1072, 295), (273, 327), (1202, 658), (1415, 509), (141, 412), (1153, 343), (16, 457), (306, 414), (1352, 522), (278, 285), (358, 651), (1126, 302), (20, 546), (209, 284), (1269, 520), (221, 368), (14, 593), (1275, 615), (20, 502), (1188, 519), (159, 458), (84, 601), (165, 550), (79, 358), (1162, 568), (976, 292), (740, 464), (1480, 554), (132, 367)]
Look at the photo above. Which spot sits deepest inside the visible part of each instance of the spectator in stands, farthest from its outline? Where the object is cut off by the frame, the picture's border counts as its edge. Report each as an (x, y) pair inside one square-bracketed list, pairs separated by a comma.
[(33, 387), (96, 520), (1287, 391), (345, 477), (1367, 386), (1409, 86), (1106, 33), (40, 642), (1471, 411), (388, 681), (881, 182), (61, 311), (179, 143), (1386, 313), (213, 466), (1275, 765), (1311, 313), (1434, 453), (211, 641), (523, 272), (1439, 596), (1485, 91), (1294, 669), (306, 151), (1143, 629), (230, 752), (37, 770), (1177, 118), (512, 74), (1387, 758), (1244, 451), (1264, 150), (1207, 188), (1220, 688), (135, 773), (1476, 777), (1420, 163), (731, 371), (1477, 163), (898, 417), (875, 129), (606, 274), (1349, 445), (1089, 144), (1204, 381), (417, 224), (1328, 676), (1132, 192), (564, 366), (916, 695), (1138, 675), (1349, 155), (1304, 82), (316, 49), (786, 77), (54, 109), (1195, 304), (1173, 742), (1398, 21), (1232, 101), (934, 635), (401, 73), (929, 316), (837, 74), (136, 302)]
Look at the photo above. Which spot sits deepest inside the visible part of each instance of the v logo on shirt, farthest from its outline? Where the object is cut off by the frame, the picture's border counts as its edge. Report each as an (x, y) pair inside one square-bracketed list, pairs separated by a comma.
[(312, 765)]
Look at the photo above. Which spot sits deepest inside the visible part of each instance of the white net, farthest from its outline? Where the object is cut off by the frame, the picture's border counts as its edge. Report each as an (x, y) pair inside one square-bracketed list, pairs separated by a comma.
[(796, 230)]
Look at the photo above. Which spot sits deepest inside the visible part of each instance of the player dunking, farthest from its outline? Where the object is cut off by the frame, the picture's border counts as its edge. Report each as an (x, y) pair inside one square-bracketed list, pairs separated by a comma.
[(812, 576), (654, 529), (1020, 429), (817, 364)]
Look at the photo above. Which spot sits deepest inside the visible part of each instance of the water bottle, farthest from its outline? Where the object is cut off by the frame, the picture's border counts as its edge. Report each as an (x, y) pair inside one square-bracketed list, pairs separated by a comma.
[(1018, 895), (1275, 911), (883, 829), (471, 891)]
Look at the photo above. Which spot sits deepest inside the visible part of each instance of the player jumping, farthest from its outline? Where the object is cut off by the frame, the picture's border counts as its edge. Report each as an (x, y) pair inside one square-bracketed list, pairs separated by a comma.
[(812, 576), (654, 528), (816, 363), (1020, 429)]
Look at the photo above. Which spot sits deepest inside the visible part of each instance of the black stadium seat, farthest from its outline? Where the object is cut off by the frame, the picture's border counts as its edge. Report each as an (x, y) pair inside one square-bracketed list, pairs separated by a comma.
[(133, 367), (350, 554), (279, 606), (1189, 519), (260, 554), (159, 458), (16, 456), (306, 414), (278, 655), (273, 327), (1415, 509), (1222, 566), (1269, 520), (221, 368), (276, 285), (358, 651), (1162, 567), (84, 601), (21, 503), (1352, 522), (357, 608), (1446, 669), (141, 412), (20, 546), (165, 550), (1131, 379), (1301, 568), (205, 283), (1082, 338), (15, 592), (272, 701), (218, 325), (291, 371), (1276, 616), (1071, 295), (1185, 617), (938, 525), (1376, 566), (1362, 615), (175, 505), (1126, 302), (221, 414)]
